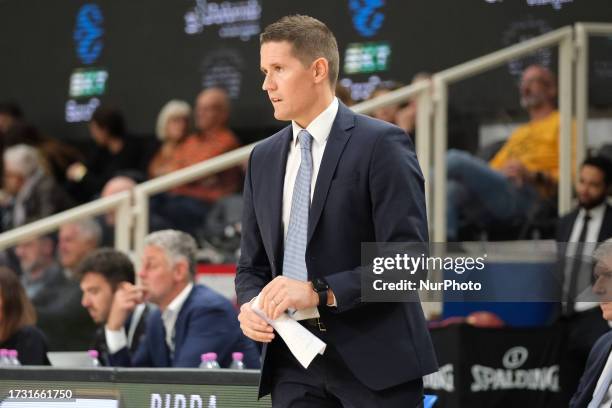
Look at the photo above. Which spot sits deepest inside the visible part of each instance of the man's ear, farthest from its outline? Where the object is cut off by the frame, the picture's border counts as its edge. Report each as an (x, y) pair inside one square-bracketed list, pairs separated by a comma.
[(181, 270), (320, 69)]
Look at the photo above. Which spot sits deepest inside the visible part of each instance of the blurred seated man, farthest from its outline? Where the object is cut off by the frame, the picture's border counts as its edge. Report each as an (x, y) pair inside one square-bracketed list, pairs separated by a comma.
[(116, 185), (387, 113), (41, 274), (76, 240), (31, 193), (101, 273), (115, 151), (594, 390), (191, 320), (186, 205), (525, 169)]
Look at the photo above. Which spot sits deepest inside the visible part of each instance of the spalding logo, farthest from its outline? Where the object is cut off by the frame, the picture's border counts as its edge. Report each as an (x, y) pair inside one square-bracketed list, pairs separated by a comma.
[(515, 357), (88, 33), (367, 18)]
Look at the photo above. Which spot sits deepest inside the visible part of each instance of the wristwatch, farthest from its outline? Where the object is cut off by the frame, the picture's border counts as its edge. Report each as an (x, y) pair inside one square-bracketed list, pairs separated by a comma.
[(320, 286)]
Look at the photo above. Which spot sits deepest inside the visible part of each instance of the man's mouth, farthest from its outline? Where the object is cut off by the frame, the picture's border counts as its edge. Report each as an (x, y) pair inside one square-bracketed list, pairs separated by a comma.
[(275, 100)]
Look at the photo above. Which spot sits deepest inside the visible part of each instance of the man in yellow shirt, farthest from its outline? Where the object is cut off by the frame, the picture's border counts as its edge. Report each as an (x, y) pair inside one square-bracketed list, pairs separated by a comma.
[(525, 168)]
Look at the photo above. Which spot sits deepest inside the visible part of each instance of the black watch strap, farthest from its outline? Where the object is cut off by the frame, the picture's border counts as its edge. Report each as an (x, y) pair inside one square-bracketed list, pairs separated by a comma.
[(320, 286)]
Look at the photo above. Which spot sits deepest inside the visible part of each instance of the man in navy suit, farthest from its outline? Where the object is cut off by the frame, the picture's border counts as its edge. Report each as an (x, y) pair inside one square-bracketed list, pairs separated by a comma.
[(594, 390), (191, 320), (313, 193)]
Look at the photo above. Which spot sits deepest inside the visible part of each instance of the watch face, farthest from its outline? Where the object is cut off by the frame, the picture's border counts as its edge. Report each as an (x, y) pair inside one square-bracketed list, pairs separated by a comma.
[(320, 285)]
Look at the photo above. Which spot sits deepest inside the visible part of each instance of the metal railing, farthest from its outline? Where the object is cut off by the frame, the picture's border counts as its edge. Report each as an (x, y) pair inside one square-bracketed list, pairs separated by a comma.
[(120, 203), (582, 32), (441, 81), (432, 99)]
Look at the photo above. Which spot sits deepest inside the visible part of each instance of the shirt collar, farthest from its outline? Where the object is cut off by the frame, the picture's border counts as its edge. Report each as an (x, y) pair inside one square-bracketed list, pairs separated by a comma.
[(595, 212), (177, 303), (320, 127)]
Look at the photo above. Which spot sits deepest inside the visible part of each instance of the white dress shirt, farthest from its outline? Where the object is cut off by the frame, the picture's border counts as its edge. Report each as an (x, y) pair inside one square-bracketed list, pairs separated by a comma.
[(117, 339), (607, 401), (597, 215), (319, 129)]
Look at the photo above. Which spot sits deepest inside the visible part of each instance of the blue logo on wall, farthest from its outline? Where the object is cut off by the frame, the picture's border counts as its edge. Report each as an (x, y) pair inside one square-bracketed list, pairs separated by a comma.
[(88, 33), (367, 18)]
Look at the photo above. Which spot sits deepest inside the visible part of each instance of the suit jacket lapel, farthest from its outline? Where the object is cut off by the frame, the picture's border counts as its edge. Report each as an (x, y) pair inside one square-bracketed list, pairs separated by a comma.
[(274, 193), (338, 136)]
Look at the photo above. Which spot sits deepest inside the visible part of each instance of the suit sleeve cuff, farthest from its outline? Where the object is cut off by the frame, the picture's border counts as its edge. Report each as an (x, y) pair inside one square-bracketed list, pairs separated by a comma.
[(115, 340)]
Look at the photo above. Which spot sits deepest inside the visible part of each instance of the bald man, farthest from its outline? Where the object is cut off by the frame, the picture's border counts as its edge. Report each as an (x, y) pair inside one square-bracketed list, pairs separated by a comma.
[(524, 170), (213, 137)]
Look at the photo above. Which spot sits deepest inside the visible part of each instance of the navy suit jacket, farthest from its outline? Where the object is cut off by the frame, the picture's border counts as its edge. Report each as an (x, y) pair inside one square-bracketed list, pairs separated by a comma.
[(207, 322), (369, 189), (595, 364)]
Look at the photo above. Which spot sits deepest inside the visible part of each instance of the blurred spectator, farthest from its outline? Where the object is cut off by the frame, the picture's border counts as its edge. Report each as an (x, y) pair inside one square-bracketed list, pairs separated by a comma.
[(32, 194), (387, 113), (57, 156), (55, 298), (40, 272), (76, 240), (344, 94), (406, 117), (525, 169), (594, 387), (172, 130), (186, 206), (101, 273), (17, 319), (10, 115), (577, 233), (117, 185), (114, 152), (192, 319)]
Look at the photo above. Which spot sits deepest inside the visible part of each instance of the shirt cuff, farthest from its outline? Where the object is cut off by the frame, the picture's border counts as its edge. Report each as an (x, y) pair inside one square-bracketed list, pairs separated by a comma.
[(115, 339)]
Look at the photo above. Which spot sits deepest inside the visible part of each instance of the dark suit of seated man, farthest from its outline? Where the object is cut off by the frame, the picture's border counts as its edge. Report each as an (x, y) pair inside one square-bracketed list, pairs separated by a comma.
[(191, 320), (595, 389)]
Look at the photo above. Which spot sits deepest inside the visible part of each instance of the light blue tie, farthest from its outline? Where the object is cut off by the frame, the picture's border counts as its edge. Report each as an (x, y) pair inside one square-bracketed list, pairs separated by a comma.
[(294, 262), (598, 397)]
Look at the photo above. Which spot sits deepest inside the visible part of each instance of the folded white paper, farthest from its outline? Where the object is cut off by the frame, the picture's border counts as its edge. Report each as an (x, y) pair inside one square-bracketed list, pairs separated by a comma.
[(303, 344)]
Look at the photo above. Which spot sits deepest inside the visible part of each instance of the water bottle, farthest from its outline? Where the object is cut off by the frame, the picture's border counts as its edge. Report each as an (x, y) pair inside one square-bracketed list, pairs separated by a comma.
[(4, 358), (94, 358), (13, 357), (237, 363), (209, 361)]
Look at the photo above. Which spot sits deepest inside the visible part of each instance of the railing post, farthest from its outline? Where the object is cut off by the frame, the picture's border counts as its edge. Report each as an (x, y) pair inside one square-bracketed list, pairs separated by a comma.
[(566, 48), (440, 89), (123, 225), (423, 143), (582, 92), (141, 227)]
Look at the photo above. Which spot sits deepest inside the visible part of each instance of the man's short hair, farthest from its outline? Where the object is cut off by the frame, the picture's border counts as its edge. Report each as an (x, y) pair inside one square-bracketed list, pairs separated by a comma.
[(177, 245), (111, 120), (603, 164), (310, 39), (115, 266)]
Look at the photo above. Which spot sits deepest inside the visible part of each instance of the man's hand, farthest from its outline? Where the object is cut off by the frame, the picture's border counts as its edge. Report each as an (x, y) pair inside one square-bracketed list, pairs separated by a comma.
[(516, 172), (126, 298), (253, 326), (284, 293)]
